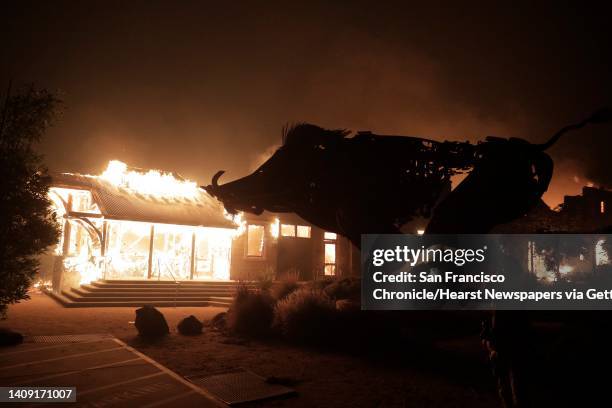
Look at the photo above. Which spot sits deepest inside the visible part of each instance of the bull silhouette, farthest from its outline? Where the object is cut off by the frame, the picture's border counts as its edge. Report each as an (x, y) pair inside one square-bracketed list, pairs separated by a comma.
[(372, 183)]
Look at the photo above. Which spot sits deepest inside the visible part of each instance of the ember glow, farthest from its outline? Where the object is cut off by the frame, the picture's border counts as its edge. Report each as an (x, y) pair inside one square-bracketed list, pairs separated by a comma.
[(95, 245), (40, 284)]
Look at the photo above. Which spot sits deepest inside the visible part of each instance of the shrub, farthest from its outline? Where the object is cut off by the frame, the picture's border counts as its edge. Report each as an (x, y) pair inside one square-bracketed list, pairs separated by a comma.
[(242, 291), (266, 280), (305, 316), (346, 288), (284, 289), (251, 312), (320, 284), (291, 274), (264, 284)]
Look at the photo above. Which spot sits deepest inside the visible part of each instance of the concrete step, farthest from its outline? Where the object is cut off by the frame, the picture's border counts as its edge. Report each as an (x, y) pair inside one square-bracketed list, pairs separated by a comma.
[(155, 281), (68, 302), (157, 293), (86, 291), (163, 286), (145, 298), (152, 303), (170, 282), (60, 298), (158, 287)]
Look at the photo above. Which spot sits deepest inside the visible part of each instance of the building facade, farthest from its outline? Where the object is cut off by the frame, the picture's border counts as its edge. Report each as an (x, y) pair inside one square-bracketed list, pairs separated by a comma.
[(136, 224), (284, 246)]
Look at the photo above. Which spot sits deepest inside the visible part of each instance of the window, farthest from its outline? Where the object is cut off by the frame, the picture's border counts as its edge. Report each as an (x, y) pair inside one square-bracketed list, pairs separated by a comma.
[(329, 258), (255, 240), (330, 236), (79, 200), (287, 230), (300, 231), (601, 255), (128, 250), (602, 207), (303, 231), (171, 257)]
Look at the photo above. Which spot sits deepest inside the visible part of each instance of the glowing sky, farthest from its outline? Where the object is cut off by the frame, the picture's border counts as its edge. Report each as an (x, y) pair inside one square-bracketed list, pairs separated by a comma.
[(198, 87)]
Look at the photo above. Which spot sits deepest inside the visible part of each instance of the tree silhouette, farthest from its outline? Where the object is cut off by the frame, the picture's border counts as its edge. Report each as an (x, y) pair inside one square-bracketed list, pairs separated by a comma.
[(27, 225)]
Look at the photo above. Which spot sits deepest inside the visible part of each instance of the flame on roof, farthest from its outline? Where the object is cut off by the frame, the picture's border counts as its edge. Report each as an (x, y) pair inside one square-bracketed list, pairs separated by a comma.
[(151, 182), (127, 193)]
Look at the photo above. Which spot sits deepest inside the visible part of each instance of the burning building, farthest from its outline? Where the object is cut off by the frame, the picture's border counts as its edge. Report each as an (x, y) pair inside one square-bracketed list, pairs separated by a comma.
[(592, 210), (134, 224), (130, 224), (587, 213)]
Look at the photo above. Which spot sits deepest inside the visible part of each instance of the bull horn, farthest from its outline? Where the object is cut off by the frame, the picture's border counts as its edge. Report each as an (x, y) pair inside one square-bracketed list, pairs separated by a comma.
[(215, 179)]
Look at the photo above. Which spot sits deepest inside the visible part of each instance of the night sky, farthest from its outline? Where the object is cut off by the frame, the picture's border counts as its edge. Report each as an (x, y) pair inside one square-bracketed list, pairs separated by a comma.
[(195, 87)]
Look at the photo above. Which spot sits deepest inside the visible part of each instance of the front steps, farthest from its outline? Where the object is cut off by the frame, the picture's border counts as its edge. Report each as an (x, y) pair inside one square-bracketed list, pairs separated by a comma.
[(136, 293)]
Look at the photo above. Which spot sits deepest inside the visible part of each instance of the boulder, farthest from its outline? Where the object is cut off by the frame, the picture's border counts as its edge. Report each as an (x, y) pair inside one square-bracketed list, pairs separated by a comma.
[(190, 326), (10, 338), (150, 322), (219, 321)]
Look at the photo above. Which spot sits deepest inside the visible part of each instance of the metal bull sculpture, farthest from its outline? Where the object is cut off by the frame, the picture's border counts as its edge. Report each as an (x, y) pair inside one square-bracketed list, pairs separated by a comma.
[(376, 183)]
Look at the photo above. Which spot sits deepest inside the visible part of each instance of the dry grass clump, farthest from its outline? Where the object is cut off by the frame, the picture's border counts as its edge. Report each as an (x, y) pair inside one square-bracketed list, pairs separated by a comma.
[(284, 289), (346, 288), (316, 313), (251, 313), (305, 316)]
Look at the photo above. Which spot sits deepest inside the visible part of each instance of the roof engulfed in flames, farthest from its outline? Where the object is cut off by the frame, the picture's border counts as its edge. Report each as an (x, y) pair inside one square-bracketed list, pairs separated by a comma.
[(125, 193), (149, 182)]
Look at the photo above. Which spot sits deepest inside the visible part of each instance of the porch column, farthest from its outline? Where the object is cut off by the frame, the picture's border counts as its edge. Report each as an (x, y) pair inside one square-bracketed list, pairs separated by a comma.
[(150, 263), (58, 264), (193, 261)]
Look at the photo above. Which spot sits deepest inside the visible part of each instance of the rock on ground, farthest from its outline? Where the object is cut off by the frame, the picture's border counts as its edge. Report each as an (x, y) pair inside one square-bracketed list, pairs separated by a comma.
[(190, 326), (10, 338), (150, 322)]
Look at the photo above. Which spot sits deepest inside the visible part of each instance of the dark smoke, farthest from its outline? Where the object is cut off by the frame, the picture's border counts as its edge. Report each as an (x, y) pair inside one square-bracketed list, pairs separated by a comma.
[(196, 87)]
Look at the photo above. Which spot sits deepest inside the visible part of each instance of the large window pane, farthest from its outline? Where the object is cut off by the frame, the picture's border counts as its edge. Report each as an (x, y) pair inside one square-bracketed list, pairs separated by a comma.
[(330, 253), (303, 231), (172, 252), (213, 254), (255, 240), (127, 253), (330, 259), (287, 230)]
